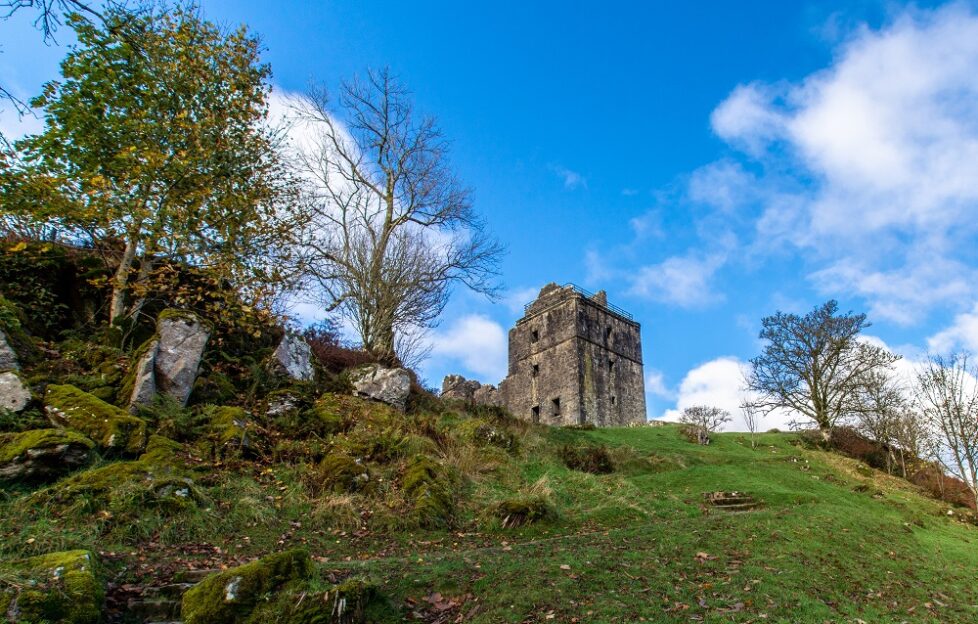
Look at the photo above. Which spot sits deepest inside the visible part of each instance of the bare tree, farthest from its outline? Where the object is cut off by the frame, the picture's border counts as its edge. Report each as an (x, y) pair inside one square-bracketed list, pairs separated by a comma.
[(704, 420), (879, 410), (946, 391), (392, 229), (752, 417), (910, 435), (814, 364)]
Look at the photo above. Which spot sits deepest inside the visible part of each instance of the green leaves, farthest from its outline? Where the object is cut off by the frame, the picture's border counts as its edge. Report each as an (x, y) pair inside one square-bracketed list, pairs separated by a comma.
[(156, 135)]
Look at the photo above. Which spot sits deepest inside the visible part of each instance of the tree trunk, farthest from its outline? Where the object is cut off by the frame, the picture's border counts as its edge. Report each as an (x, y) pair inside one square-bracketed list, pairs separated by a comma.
[(120, 282)]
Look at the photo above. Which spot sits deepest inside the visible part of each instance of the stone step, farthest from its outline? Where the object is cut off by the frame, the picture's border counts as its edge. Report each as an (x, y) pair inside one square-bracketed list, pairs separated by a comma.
[(739, 506), (731, 501), (153, 609)]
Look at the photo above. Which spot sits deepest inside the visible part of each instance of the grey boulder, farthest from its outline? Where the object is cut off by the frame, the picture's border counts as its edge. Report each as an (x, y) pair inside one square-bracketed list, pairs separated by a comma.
[(171, 360), (293, 356), (381, 383), (14, 395)]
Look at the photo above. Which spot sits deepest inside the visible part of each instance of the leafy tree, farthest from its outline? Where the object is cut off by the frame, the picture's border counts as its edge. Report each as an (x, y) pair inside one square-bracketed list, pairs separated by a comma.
[(160, 153), (392, 228), (815, 364)]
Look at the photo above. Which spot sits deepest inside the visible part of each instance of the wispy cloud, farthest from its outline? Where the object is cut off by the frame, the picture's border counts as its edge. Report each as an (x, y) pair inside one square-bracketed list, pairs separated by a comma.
[(684, 281), (572, 179), (476, 343)]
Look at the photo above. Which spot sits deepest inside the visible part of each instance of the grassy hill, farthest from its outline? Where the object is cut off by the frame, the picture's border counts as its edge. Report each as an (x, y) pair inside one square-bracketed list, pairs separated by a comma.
[(524, 538)]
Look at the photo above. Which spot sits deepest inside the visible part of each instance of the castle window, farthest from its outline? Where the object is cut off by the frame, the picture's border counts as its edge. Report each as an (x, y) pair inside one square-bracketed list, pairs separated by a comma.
[(536, 369), (607, 332), (556, 406), (611, 365), (535, 414), (534, 336), (612, 400)]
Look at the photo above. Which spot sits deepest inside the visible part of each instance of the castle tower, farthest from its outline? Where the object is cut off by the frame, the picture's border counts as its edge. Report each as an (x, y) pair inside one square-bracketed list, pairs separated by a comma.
[(573, 360)]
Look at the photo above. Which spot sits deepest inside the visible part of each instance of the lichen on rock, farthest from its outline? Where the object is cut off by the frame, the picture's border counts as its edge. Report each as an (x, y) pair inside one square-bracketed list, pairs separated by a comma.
[(14, 393), (110, 427)]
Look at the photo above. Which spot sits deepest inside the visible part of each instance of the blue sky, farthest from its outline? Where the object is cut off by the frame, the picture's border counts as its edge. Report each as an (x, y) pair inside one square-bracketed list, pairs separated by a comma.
[(706, 163)]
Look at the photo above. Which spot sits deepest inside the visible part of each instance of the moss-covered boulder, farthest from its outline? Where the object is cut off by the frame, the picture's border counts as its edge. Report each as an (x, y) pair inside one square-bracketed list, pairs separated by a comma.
[(342, 473), (230, 596), (158, 478), (515, 512), (42, 453), (354, 601), (232, 431), (56, 587), (429, 488), (110, 427)]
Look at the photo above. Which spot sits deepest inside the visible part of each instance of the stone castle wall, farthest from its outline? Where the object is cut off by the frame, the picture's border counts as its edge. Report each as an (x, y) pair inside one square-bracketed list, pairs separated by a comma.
[(572, 360)]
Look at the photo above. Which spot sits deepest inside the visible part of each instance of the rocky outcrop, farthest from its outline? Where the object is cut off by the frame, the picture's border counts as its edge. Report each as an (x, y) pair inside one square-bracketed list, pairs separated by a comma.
[(14, 395), (110, 427), (380, 383), (168, 362), (42, 454), (471, 391), (293, 357)]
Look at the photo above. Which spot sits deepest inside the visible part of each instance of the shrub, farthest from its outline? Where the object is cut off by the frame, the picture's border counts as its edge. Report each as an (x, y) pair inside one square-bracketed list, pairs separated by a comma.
[(851, 443), (592, 459), (330, 351), (943, 487), (173, 420)]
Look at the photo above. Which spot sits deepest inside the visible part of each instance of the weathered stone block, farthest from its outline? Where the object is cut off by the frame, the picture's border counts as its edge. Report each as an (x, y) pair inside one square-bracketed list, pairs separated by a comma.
[(293, 356), (380, 383)]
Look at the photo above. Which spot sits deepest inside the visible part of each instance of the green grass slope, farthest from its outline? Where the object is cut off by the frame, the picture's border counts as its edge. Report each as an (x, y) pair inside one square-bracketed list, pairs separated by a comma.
[(832, 541)]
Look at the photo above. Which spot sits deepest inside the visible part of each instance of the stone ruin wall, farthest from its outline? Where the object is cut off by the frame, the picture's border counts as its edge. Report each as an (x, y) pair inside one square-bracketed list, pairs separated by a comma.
[(572, 361)]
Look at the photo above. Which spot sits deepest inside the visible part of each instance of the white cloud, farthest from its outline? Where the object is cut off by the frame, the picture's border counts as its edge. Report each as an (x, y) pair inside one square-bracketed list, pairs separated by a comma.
[(517, 299), (655, 385), (684, 281), (476, 342), (884, 143), (962, 334), (572, 179), (721, 383)]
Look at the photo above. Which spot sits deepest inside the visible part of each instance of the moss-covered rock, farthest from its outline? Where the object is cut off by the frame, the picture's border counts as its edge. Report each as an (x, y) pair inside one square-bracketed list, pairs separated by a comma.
[(230, 596), (110, 427), (515, 512), (483, 433), (354, 601), (157, 478), (42, 453), (232, 431), (56, 587), (429, 487), (342, 473)]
